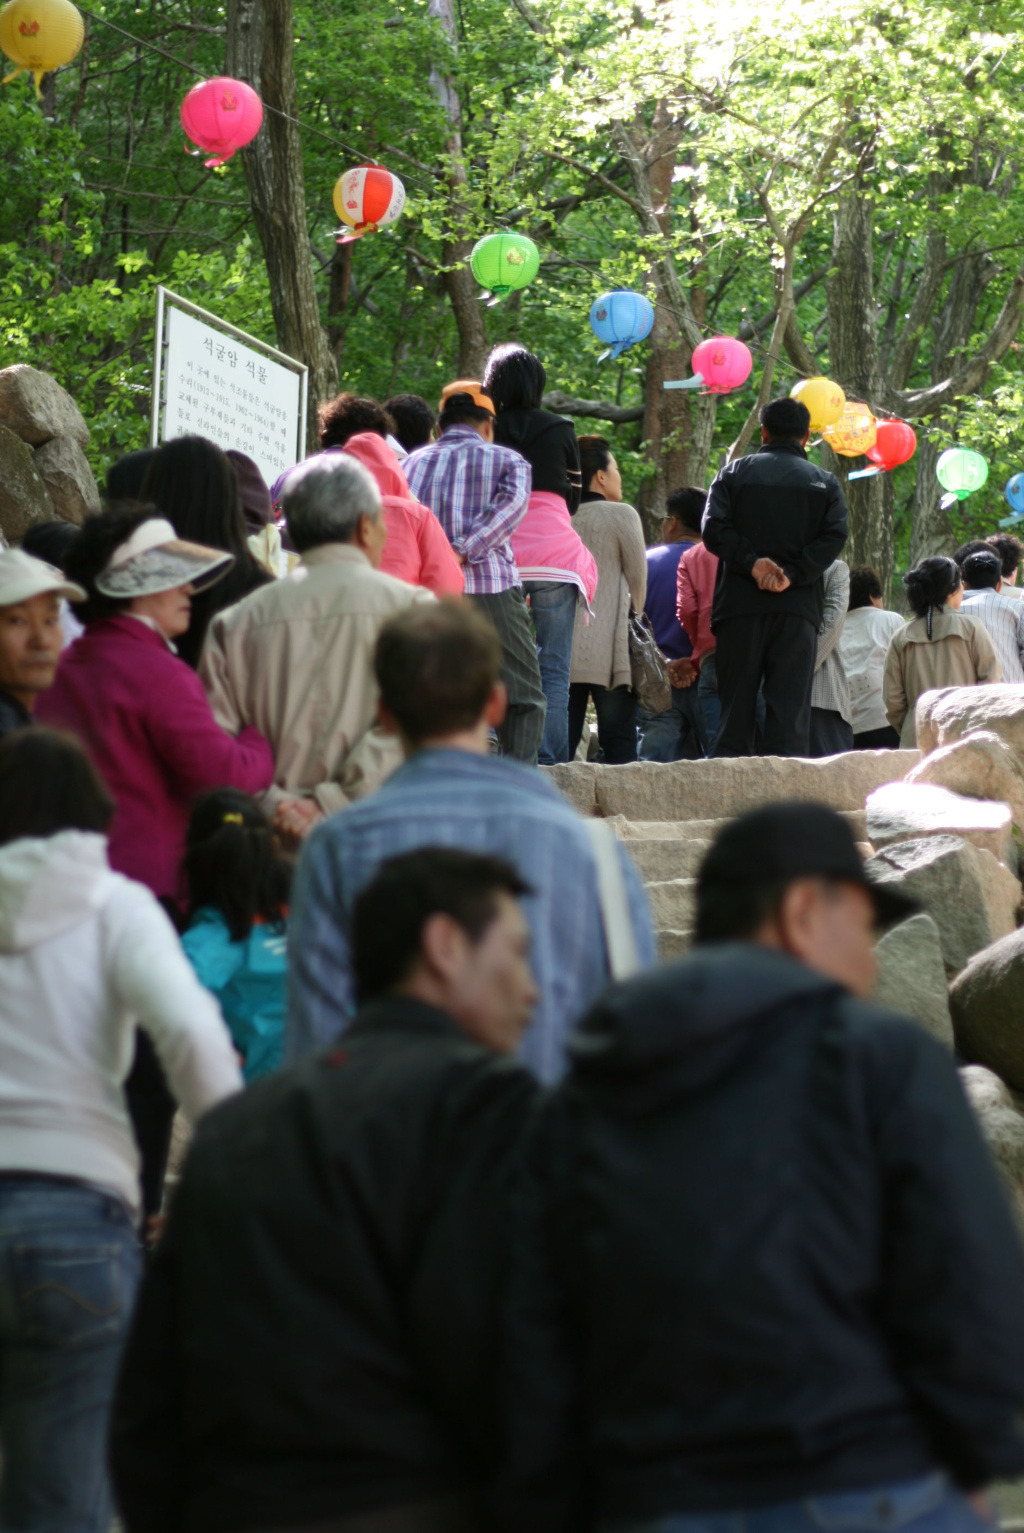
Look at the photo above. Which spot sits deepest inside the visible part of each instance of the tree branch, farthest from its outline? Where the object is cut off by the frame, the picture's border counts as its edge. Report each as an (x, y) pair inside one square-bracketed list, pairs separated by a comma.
[(598, 409), (969, 378), (925, 297)]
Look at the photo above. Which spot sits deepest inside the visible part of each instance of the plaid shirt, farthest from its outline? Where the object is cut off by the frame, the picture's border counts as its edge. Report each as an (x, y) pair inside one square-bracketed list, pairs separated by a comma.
[(478, 492)]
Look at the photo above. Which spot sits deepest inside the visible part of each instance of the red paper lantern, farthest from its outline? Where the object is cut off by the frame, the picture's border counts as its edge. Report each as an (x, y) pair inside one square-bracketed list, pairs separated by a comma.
[(367, 198), (723, 363), (221, 115), (895, 443)]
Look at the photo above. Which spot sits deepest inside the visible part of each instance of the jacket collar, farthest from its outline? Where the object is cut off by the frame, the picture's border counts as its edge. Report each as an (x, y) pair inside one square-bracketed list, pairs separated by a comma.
[(791, 447), (19, 710), (403, 1014), (335, 553), (130, 627)]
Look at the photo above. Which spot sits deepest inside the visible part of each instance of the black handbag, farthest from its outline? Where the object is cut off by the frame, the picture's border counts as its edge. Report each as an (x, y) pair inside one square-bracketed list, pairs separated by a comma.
[(648, 667)]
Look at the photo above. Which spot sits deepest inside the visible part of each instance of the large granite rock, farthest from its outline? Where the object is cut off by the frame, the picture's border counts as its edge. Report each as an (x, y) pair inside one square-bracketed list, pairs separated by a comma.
[(35, 407), (64, 469), (707, 830), (1003, 1128), (673, 903), (981, 765), (672, 857), (987, 1003), (969, 894), (23, 496), (906, 811), (954, 712), (912, 975)]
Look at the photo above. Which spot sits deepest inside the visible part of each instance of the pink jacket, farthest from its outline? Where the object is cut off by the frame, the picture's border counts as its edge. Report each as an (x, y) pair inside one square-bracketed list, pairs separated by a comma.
[(143, 715), (417, 550), (547, 546), (695, 589)]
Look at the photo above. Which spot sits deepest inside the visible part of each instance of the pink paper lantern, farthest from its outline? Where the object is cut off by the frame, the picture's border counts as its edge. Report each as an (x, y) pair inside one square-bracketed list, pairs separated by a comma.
[(723, 363), (221, 115)]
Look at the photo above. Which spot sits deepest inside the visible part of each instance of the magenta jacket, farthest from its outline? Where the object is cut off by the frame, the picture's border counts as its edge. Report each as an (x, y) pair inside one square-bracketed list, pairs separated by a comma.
[(144, 718)]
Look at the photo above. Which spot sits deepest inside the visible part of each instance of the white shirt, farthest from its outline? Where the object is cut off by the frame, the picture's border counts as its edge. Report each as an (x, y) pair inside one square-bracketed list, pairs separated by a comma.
[(1004, 620), (863, 645)]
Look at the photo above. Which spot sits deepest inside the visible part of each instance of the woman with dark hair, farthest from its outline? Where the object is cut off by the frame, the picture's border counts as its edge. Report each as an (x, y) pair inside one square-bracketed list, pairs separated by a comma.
[(863, 646), (84, 954), (554, 563), (193, 485), (940, 647)]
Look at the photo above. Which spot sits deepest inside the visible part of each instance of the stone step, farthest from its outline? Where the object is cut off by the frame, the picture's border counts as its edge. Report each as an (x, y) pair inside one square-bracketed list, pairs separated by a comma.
[(634, 831), (672, 902), (723, 788), (673, 944), (670, 857)]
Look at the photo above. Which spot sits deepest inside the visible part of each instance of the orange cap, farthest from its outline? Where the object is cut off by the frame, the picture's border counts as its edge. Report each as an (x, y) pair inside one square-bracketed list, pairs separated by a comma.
[(470, 386)]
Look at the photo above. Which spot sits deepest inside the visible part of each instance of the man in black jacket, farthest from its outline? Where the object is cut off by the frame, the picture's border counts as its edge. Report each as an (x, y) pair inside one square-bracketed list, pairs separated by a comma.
[(766, 1277), (776, 523), (314, 1345)]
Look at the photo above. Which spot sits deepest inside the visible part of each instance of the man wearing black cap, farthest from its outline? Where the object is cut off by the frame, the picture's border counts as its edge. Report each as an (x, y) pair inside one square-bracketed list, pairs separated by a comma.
[(766, 1277)]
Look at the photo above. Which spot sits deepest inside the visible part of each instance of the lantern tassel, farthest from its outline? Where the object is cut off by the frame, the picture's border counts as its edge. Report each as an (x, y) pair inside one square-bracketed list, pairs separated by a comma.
[(1011, 521), (864, 473), (217, 160), (349, 238), (947, 501), (13, 75), (687, 383)]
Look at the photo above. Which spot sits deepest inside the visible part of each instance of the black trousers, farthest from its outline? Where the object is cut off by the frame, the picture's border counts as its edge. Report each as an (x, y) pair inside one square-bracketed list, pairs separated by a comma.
[(884, 739), (831, 735), (616, 720), (775, 651)]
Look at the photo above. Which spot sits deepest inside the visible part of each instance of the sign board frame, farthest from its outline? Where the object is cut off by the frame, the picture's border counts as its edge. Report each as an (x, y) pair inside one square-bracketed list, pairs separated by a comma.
[(165, 299)]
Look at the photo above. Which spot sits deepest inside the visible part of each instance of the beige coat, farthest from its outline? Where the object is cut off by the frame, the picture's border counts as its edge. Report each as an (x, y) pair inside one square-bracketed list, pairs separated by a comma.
[(959, 654), (296, 659), (600, 647)]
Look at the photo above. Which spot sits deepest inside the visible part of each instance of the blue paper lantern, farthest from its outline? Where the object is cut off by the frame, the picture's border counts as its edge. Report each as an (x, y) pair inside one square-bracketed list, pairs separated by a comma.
[(1014, 493), (620, 319)]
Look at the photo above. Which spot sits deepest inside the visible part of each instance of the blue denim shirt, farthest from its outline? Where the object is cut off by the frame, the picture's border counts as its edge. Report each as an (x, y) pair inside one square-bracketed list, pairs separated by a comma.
[(478, 803)]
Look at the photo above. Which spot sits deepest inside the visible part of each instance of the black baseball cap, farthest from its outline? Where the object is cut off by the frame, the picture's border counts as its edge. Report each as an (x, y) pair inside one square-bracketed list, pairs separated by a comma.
[(783, 842)]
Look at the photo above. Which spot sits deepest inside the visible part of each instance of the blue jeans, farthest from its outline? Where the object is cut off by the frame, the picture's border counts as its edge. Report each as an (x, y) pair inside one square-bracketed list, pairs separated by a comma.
[(928, 1505), (553, 609), (678, 734), (69, 1269)]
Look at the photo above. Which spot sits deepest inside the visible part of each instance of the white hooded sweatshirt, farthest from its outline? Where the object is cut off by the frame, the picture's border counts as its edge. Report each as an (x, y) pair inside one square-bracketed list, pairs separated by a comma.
[(86, 953)]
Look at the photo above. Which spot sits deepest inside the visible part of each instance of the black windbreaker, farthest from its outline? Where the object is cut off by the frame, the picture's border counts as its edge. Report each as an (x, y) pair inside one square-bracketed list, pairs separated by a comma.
[(773, 504), (317, 1333), (762, 1254), (548, 443)]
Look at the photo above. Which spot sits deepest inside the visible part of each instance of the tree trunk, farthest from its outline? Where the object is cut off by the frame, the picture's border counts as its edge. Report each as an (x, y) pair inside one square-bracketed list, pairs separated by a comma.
[(260, 41)]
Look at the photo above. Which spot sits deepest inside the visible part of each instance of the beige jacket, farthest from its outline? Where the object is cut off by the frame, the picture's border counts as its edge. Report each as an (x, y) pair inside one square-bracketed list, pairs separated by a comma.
[(959, 654), (600, 647), (296, 659)]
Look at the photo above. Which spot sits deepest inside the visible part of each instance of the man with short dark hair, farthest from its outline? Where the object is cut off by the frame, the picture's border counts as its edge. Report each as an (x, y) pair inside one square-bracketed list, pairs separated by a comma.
[(738, 1296), (985, 602), (479, 492), (776, 522), (678, 733), (438, 672), (415, 421), (316, 1339), (1009, 550)]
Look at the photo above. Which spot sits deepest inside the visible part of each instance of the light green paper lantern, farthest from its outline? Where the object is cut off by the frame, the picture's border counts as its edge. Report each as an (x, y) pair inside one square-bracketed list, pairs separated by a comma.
[(504, 262), (960, 470)]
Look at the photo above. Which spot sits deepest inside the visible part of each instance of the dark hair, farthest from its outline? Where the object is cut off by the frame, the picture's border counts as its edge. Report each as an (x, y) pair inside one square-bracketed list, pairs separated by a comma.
[(99, 536), (124, 478), (930, 582), (461, 410), (390, 914), (786, 419), (1009, 550), (414, 419), (982, 571), (864, 583), (347, 414), (734, 912), (595, 456), (975, 546), (50, 541), (232, 863), (687, 506), (436, 666), (48, 784), (514, 378)]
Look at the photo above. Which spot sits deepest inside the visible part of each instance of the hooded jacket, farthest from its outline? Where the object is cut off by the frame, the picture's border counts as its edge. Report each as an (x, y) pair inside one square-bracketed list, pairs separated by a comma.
[(763, 1255), (84, 954), (417, 549)]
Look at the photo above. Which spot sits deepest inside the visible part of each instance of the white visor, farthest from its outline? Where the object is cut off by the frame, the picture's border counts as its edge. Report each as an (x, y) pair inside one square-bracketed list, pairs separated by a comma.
[(155, 559)]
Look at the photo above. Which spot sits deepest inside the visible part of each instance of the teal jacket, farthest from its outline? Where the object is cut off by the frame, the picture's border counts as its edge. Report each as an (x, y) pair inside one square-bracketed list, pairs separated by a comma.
[(249, 979)]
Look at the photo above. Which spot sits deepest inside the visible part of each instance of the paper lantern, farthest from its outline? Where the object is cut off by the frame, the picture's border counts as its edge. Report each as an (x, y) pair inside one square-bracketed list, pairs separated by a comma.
[(721, 364), (854, 432), (40, 35), (960, 470), (824, 399), (367, 198), (1014, 493), (895, 443), (503, 263), (620, 319), (221, 115)]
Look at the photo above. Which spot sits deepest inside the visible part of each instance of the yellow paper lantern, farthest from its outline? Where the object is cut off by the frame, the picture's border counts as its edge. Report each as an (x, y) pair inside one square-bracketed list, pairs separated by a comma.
[(854, 432), (40, 35), (825, 400)]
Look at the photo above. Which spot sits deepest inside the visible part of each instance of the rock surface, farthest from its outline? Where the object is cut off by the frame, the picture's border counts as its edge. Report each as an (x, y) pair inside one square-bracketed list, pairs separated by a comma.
[(954, 712), (969, 894), (64, 469), (987, 1003), (912, 976), (35, 407), (23, 496), (981, 765), (905, 811), (673, 903), (1003, 1128)]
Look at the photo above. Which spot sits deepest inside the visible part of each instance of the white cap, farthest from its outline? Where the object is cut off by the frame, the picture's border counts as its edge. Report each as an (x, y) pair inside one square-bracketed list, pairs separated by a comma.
[(22, 576), (155, 559)]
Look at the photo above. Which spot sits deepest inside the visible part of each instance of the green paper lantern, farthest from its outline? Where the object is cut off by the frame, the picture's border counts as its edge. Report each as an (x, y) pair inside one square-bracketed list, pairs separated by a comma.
[(504, 262), (959, 470)]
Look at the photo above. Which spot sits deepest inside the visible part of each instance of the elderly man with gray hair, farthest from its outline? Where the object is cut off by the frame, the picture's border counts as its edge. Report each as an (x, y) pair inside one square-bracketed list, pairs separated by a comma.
[(295, 658)]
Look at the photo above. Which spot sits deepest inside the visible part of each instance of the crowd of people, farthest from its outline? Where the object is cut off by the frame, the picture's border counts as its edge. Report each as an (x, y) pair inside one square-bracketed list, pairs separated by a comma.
[(274, 849)]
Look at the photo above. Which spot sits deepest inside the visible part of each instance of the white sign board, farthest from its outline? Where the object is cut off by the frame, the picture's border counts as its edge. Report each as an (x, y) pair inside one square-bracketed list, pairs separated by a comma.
[(218, 386)]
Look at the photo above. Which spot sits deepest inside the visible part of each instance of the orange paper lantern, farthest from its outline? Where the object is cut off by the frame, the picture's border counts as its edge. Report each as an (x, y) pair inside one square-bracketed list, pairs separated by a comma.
[(854, 432)]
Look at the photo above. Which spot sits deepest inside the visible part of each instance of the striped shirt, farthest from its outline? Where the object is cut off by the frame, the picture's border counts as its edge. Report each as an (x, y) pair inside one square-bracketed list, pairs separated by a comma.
[(1004, 619), (479, 493)]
